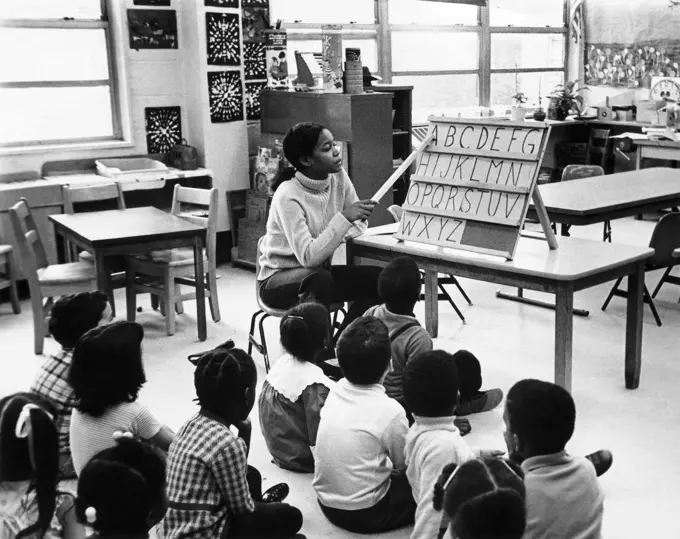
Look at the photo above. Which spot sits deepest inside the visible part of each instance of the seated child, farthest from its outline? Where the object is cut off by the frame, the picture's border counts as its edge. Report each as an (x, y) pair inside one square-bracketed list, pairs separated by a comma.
[(359, 477), (106, 375), (121, 490), (212, 492), (399, 286), (71, 316), (564, 499), (296, 388), (482, 499), (433, 441), (30, 505)]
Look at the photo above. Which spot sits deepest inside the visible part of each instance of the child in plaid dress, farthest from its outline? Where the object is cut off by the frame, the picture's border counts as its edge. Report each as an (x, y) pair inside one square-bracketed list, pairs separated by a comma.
[(212, 492), (71, 317)]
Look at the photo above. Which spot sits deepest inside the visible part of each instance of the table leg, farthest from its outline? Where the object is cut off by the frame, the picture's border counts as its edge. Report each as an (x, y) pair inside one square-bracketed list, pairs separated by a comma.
[(634, 315), (200, 289), (103, 276), (564, 305), (431, 303)]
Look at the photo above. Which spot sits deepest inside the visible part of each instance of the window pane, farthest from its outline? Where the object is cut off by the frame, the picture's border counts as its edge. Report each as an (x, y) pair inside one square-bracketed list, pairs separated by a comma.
[(50, 9), (368, 47), (440, 94), (317, 11), (420, 12), (434, 51), (55, 113), (44, 54), (526, 12), (505, 85), (510, 51)]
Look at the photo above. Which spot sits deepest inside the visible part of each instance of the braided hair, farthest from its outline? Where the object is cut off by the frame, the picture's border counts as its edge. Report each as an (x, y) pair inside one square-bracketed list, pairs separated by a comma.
[(222, 378), (484, 498)]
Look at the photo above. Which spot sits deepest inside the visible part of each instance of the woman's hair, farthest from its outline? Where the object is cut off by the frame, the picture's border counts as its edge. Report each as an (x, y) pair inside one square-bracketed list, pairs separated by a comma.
[(484, 498), (74, 314), (299, 142), (29, 450), (305, 330), (106, 368), (121, 490), (222, 377)]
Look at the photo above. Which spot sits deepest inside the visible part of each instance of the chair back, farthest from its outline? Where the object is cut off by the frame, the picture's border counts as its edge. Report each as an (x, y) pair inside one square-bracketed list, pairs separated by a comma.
[(76, 194), (396, 212), (577, 172), (199, 206), (665, 239), (598, 146), (31, 248)]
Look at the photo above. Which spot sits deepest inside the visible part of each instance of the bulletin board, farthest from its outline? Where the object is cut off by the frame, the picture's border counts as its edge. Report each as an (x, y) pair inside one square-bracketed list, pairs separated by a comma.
[(473, 184)]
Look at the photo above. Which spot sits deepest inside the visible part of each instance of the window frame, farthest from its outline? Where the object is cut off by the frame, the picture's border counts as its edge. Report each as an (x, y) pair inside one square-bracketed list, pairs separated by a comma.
[(121, 124)]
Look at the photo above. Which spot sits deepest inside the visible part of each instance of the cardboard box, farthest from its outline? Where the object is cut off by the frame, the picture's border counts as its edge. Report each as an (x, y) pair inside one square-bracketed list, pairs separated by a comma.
[(647, 111), (249, 233), (257, 207)]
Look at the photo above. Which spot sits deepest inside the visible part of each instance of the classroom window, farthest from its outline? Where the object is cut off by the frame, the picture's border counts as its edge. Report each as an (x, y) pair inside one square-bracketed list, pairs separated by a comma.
[(420, 12), (441, 94), (368, 47), (505, 85), (56, 82), (434, 51), (537, 13), (526, 51), (320, 12)]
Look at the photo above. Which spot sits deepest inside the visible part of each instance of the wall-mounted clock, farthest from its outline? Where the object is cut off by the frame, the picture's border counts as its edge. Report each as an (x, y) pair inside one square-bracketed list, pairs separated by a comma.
[(666, 88)]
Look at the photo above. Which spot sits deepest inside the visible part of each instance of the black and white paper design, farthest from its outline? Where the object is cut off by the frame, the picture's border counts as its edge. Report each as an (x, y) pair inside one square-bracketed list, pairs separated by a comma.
[(254, 61), (253, 91), (163, 128), (226, 96), (222, 3), (223, 39)]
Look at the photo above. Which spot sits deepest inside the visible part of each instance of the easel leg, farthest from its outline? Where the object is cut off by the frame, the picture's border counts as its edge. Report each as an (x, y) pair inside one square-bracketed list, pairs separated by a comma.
[(431, 303)]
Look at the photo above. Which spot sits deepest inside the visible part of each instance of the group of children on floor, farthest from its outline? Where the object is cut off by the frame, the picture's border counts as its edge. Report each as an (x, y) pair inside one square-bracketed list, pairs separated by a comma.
[(382, 442)]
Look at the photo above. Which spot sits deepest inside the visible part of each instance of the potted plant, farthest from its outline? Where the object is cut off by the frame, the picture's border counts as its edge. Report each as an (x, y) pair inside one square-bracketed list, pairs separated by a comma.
[(566, 98), (518, 112), (539, 113)]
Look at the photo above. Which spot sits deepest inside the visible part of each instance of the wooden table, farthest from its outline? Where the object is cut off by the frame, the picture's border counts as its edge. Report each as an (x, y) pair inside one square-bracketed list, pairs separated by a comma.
[(135, 231), (656, 149), (577, 265)]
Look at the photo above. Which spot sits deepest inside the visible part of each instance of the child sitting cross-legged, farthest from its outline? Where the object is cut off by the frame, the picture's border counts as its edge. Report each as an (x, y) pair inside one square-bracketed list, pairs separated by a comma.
[(121, 490), (296, 388), (212, 492), (71, 317), (433, 441), (399, 287), (106, 375), (563, 496), (482, 499), (359, 477)]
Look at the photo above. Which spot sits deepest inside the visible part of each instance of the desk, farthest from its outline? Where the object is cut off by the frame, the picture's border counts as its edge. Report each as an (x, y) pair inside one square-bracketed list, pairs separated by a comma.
[(135, 231), (577, 265), (656, 149)]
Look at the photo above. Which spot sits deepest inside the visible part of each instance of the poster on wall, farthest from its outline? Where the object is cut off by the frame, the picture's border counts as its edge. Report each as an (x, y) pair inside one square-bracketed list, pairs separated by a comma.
[(223, 39), (152, 28), (639, 41), (254, 62), (247, 3), (277, 60), (151, 2), (226, 96), (163, 128), (253, 91), (255, 22), (222, 3)]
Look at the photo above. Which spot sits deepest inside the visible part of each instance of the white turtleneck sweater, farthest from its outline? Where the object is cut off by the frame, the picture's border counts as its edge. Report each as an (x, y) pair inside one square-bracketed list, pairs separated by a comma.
[(305, 224)]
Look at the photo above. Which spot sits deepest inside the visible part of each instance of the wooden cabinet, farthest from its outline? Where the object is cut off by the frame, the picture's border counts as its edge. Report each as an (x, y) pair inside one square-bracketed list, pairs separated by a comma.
[(364, 121)]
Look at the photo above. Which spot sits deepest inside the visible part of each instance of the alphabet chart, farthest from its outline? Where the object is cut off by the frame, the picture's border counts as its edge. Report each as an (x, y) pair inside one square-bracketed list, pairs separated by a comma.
[(473, 183)]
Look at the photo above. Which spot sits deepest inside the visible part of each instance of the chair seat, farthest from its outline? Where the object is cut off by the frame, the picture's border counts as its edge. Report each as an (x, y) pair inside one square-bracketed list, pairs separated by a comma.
[(5, 249), (73, 272), (180, 256)]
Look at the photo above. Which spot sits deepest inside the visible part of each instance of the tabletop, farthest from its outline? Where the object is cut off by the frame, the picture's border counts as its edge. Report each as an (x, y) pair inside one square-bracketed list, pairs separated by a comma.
[(659, 143), (574, 259), (101, 228), (611, 192)]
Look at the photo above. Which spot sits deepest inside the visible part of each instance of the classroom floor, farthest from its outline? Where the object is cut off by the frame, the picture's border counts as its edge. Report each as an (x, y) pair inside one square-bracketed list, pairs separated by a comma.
[(512, 341)]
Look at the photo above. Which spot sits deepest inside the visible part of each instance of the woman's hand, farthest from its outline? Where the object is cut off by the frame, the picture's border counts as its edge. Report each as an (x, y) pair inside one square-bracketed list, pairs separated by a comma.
[(359, 210)]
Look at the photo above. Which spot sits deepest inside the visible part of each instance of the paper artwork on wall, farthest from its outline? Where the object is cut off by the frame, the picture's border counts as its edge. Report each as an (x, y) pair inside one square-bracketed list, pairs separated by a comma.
[(255, 64), (247, 3), (163, 128), (255, 22), (222, 3), (223, 39), (226, 96), (253, 91), (152, 28), (151, 2)]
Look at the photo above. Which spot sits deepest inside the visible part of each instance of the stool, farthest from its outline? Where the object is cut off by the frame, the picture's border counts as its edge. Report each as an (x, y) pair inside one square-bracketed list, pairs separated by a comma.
[(8, 277)]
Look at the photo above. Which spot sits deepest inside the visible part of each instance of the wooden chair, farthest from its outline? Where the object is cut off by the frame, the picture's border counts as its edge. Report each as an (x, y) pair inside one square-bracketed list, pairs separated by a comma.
[(598, 150), (396, 213), (111, 193), (577, 172), (665, 242), (45, 281), (8, 276), (265, 311), (161, 273)]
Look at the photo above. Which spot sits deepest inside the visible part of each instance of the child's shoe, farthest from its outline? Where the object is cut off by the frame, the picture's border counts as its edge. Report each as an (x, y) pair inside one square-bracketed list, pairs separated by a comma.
[(482, 401), (602, 460), (275, 494)]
